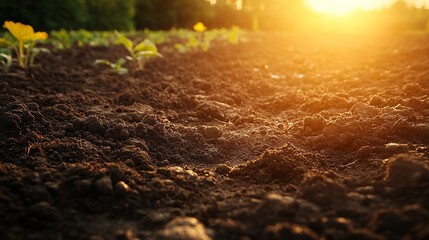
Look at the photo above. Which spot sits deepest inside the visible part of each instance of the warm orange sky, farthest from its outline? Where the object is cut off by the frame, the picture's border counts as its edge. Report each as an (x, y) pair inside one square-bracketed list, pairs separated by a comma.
[(342, 7)]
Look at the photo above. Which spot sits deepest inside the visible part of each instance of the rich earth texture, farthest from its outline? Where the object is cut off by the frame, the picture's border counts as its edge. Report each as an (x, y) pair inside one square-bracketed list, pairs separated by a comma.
[(278, 137)]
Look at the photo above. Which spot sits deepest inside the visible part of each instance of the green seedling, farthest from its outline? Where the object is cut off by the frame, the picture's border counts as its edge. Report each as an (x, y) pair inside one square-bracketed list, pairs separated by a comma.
[(6, 61), (24, 40), (233, 35), (103, 39), (192, 44), (195, 43), (82, 37), (61, 39), (199, 39), (116, 67), (94, 39), (139, 52)]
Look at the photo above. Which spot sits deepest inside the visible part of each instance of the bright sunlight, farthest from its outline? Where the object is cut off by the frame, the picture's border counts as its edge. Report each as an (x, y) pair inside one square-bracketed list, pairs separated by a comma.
[(343, 7)]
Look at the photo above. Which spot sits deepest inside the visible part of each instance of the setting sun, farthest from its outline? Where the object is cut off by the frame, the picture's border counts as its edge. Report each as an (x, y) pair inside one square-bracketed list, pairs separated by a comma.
[(342, 7)]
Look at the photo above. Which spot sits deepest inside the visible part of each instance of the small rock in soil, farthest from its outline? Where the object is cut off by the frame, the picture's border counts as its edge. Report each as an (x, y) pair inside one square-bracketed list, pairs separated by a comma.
[(121, 187), (285, 230), (406, 170), (140, 157), (389, 222), (223, 169), (94, 125), (314, 123), (212, 132), (123, 134), (183, 228), (323, 190), (393, 148), (104, 185)]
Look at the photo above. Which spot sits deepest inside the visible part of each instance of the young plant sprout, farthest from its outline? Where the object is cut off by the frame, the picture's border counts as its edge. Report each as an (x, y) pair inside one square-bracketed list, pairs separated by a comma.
[(25, 38), (61, 39), (6, 61), (140, 52), (200, 29), (233, 35), (195, 42), (116, 67)]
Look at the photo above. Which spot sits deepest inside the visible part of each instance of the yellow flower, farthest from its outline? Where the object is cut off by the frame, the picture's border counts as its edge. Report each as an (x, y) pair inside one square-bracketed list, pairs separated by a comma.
[(199, 27), (24, 32)]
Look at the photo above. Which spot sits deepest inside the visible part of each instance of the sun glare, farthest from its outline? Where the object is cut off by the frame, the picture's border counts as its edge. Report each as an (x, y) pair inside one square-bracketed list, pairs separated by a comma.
[(336, 7), (344, 7)]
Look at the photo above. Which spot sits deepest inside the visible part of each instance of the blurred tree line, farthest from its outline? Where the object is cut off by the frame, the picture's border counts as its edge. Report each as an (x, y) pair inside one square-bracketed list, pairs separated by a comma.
[(289, 15), (71, 14)]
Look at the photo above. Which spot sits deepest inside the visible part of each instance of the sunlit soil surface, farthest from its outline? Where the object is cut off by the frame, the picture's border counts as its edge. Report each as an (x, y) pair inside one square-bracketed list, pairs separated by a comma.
[(278, 137)]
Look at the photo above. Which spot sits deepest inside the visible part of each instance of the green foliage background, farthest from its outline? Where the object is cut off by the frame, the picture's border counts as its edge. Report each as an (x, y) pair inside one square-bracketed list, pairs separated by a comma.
[(70, 14)]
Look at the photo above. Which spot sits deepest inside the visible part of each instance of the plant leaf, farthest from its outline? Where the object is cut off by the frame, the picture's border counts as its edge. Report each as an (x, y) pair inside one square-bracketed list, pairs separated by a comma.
[(5, 43), (103, 61), (140, 47), (181, 48), (126, 42), (146, 45), (122, 71), (120, 61), (24, 32), (39, 36), (7, 63), (20, 31), (148, 54)]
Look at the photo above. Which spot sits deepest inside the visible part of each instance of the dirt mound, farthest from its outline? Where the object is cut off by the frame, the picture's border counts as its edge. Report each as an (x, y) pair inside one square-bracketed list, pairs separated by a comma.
[(322, 190), (286, 165)]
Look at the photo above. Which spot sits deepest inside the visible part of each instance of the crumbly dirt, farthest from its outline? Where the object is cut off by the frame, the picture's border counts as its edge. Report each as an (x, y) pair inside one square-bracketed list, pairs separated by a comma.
[(279, 137)]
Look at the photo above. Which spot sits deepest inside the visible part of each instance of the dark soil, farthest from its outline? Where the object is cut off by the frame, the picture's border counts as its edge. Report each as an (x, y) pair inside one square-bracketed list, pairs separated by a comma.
[(278, 137)]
